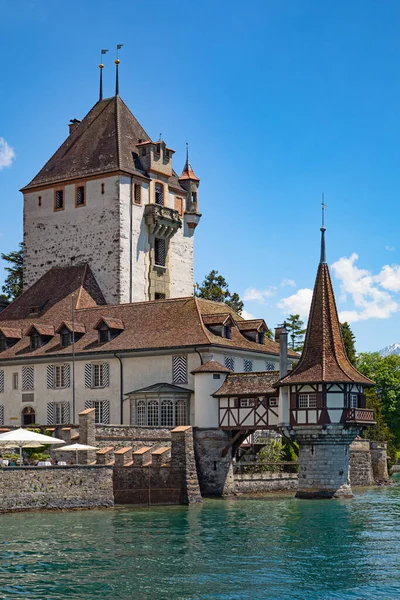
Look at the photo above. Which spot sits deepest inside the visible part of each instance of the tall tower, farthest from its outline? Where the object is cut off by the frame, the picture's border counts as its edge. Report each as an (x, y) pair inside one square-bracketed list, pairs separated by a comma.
[(109, 196), (324, 398)]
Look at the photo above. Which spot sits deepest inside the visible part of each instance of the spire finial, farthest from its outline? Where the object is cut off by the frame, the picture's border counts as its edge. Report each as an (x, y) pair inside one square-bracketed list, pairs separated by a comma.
[(117, 61), (187, 154), (101, 67), (323, 229)]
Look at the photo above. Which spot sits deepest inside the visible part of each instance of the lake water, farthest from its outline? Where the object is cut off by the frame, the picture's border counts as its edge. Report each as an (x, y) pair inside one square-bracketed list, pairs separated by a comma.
[(270, 548)]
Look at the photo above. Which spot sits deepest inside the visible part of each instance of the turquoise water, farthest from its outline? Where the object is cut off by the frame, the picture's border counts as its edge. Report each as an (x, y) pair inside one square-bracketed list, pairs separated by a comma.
[(274, 548)]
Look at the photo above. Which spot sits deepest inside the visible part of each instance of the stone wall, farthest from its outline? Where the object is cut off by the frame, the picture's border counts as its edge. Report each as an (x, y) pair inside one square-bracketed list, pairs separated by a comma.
[(215, 471), (248, 483), (360, 463), (30, 488), (121, 435), (379, 461)]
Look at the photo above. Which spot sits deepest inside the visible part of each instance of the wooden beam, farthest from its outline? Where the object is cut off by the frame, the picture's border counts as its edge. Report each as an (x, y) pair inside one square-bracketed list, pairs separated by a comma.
[(234, 440)]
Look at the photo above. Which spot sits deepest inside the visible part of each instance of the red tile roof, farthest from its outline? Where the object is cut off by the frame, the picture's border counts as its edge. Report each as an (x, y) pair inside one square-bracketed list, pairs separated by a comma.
[(217, 319), (249, 384), (252, 325), (324, 357), (9, 332), (111, 323), (211, 366), (77, 327), (42, 329), (173, 323)]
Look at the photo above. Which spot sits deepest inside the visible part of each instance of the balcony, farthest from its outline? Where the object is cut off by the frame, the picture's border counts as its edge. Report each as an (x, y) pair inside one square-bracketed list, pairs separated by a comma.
[(162, 221), (358, 416)]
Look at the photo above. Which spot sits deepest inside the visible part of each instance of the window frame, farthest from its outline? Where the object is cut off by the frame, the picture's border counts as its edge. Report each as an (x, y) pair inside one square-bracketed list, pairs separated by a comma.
[(98, 373), (354, 397), (159, 194), (15, 381), (307, 401), (59, 376), (137, 187), (98, 406), (157, 243), (62, 190), (77, 187)]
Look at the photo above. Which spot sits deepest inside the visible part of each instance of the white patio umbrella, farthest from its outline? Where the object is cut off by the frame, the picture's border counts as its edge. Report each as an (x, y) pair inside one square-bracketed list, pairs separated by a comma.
[(75, 448), (21, 438)]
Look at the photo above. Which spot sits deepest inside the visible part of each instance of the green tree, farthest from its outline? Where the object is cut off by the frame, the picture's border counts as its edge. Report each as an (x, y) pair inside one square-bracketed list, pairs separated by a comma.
[(385, 372), (296, 331), (13, 283), (215, 287), (349, 341), (379, 432)]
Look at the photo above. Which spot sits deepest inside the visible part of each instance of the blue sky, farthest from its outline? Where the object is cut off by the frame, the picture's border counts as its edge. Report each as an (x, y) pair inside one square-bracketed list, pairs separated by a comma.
[(279, 102)]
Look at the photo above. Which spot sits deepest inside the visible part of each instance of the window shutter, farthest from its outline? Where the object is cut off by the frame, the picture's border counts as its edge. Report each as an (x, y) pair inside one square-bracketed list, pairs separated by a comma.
[(179, 369), (269, 366), (106, 375), (66, 413), (320, 400), (27, 379), (106, 412), (51, 413), (67, 377), (230, 362), (1, 381), (88, 376), (293, 401), (50, 379), (248, 365), (88, 404), (1, 414)]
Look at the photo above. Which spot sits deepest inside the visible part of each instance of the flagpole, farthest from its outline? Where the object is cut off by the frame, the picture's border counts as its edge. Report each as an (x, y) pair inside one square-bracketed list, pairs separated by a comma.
[(73, 357)]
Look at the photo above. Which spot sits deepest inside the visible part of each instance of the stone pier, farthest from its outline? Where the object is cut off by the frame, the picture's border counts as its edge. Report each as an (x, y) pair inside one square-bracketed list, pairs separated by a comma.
[(324, 460)]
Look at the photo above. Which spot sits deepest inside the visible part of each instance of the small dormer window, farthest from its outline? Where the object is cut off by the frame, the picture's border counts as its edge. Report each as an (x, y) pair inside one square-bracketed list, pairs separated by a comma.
[(66, 339), (3, 344), (144, 151), (35, 310), (36, 341), (260, 337), (227, 332), (104, 335)]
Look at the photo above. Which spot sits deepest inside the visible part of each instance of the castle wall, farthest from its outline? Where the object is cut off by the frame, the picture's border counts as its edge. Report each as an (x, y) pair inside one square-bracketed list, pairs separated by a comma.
[(215, 471), (360, 463), (75, 234), (379, 461)]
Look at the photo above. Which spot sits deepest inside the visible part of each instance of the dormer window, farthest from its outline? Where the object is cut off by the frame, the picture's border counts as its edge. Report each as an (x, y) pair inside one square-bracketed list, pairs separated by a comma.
[(66, 339), (34, 310), (3, 344), (227, 332), (253, 330), (108, 328), (66, 330), (144, 150), (260, 337), (219, 324), (9, 337), (159, 194), (36, 341), (40, 335)]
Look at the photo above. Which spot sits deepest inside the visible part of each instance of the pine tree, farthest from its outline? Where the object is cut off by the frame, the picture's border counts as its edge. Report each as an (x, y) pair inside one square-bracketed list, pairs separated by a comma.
[(349, 341), (296, 330), (13, 283), (215, 287)]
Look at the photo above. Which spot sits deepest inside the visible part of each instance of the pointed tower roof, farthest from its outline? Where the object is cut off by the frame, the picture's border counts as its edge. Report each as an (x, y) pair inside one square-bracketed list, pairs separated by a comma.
[(103, 142), (324, 357), (188, 172)]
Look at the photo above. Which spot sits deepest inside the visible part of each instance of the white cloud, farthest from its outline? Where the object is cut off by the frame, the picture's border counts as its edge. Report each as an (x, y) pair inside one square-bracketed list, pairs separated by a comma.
[(365, 289), (390, 248), (247, 315), (297, 304), (7, 154), (252, 294), (288, 283)]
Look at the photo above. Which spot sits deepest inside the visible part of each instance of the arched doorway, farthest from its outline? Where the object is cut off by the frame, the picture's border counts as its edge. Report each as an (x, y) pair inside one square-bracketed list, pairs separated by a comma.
[(28, 416)]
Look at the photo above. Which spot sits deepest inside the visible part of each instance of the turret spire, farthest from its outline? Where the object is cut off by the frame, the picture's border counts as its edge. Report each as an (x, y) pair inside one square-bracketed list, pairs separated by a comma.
[(188, 172), (101, 67), (323, 229), (117, 61)]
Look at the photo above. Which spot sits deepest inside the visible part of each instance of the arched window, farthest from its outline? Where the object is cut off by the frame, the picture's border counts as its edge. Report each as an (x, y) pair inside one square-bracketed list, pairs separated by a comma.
[(152, 413), (141, 413), (28, 416), (180, 413), (167, 413)]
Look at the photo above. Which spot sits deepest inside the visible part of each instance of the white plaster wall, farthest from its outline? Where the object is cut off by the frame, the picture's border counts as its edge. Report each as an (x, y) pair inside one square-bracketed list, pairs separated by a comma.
[(284, 405), (76, 234), (205, 406), (335, 401), (258, 361)]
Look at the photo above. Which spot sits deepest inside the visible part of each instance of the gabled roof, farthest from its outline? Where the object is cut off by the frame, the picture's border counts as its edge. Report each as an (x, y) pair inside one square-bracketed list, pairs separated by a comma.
[(211, 366), (218, 319), (252, 325), (9, 332), (249, 384), (324, 357), (47, 330), (111, 323), (77, 327), (161, 388)]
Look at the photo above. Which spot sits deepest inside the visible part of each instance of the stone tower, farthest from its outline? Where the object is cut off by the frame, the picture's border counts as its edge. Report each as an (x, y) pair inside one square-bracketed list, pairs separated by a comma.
[(324, 398), (109, 196)]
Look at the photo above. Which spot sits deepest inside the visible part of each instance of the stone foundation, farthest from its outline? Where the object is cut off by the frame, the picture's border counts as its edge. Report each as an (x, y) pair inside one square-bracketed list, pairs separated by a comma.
[(379, 461), (360, 463), (324, 459), (30, 488), (215, 472), (250, 483)]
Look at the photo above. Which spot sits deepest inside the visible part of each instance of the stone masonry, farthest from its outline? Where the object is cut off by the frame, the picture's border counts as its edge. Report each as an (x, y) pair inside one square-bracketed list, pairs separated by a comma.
[(360, 463), (324, 460), (214, 470)]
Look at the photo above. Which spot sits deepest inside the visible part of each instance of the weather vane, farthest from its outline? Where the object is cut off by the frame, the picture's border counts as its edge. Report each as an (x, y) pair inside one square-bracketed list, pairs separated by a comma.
[(323, 206), (101, 67), (119, 46)]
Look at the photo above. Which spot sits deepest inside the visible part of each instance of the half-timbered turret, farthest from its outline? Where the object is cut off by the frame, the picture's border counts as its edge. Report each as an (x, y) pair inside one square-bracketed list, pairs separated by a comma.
[(327, 406)]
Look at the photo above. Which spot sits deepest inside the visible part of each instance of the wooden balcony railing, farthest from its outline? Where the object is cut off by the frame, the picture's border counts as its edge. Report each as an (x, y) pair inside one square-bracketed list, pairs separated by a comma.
[(358, 415)]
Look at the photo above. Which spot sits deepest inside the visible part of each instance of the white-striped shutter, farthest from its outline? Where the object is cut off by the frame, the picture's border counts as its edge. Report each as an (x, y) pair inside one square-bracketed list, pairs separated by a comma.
[(50, 378), (106, 412), (1, 381), (51, 413), (1, 414), (28, 379), (66, 413), (88, 376), (88, 404), (179, 369), (67, 376), (106, 375)]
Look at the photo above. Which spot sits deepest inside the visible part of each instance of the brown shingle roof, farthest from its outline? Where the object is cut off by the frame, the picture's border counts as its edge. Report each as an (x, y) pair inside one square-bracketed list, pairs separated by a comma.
[(252, 325), (9, 332), (248, 384), (324, 357), (111, 323), (212, 366), (105, 141), (217, 319), (77, 327), (42, 329)]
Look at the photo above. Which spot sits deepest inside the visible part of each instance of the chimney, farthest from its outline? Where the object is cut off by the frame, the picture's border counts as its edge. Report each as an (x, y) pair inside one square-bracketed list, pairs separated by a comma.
[(73, 124), (283, 350)]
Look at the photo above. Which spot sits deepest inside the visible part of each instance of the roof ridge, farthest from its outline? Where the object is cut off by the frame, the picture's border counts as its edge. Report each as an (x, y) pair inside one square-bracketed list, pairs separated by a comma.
[(123, 304), (203, 327)]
